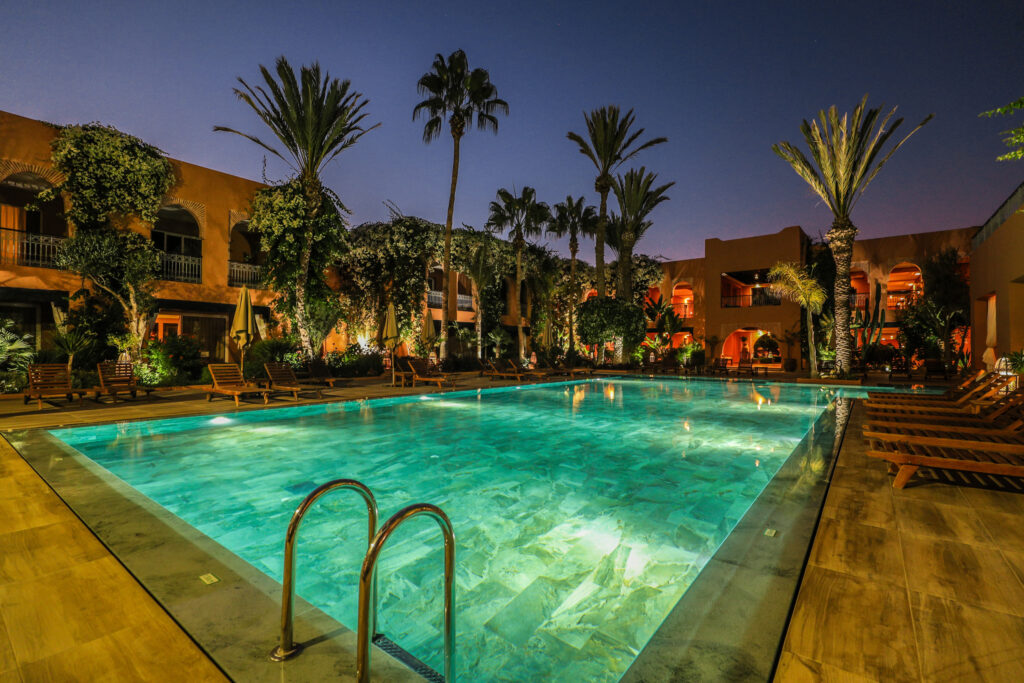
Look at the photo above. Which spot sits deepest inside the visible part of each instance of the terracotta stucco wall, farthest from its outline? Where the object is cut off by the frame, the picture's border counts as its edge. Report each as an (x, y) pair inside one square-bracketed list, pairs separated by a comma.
[(997, 268)]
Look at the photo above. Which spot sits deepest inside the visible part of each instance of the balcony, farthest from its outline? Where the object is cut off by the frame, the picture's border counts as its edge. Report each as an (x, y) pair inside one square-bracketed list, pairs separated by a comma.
[(859, 301), (180, 268), (465, 302), (19, 248), (433, 298), (245, 275), (759, 297), (683, 311)]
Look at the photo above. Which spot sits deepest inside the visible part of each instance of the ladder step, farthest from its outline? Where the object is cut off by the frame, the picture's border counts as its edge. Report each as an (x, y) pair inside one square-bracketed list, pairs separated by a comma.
[(405, 657)]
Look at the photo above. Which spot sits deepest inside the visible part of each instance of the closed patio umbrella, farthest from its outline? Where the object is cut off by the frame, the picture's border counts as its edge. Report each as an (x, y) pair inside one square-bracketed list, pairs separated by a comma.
[(243, 325), (391, 337), (428, 335), (545, 337)]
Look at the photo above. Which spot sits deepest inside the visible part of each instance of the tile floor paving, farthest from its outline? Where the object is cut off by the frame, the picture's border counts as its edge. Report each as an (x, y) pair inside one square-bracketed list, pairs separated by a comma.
[(920, 584), (68, 609)]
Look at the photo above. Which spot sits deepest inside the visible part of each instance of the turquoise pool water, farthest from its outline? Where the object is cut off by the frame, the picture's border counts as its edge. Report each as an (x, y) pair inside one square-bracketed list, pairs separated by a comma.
[(582, 511)]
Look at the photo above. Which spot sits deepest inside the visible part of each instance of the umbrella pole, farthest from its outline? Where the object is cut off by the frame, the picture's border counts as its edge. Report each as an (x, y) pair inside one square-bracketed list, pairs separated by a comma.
[(392, 367)]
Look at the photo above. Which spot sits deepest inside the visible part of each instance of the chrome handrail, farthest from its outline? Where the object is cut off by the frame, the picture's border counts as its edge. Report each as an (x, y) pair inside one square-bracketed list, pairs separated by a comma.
[(288, 647), (367, 605)]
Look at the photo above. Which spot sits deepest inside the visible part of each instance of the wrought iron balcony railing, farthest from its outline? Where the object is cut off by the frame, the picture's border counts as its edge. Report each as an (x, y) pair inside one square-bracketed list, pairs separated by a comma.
[(181, 268), (760, 297), (245, 275), (20, 248), (433, 298), (465, 302)]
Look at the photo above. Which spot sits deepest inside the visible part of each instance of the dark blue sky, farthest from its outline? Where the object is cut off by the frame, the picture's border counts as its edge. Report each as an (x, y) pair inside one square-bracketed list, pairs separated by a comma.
[(723, 81)]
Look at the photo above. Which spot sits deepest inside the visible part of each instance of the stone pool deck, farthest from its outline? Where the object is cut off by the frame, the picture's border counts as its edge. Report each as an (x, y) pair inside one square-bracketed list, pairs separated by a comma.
[(922, 584)]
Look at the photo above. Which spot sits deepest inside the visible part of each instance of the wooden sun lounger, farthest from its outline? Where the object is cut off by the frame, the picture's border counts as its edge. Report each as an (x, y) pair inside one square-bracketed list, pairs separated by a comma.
[(282, 379), (1009, 420), (952, 393), (551, 370), (50, 380), (118, 377), (421, 373), (985, 391), (668, 365), (573, 371), (505, 374), (1007, 428), (514, 367), (906, 454), (228, 380), (747, 367)]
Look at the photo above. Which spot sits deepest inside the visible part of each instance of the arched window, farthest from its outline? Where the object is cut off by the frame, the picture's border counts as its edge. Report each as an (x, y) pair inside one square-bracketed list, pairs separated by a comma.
[(29, 237), (682, 299), (904, 286), (245, 259), (176, 234)]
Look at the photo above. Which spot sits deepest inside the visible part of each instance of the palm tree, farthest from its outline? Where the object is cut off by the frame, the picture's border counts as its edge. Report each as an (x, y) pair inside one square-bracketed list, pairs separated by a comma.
[(571, 218), (455, 92), (523, 217), (608, 145), (798, 284), (844, 166), (637, 198), (314, 118), (482, 272)]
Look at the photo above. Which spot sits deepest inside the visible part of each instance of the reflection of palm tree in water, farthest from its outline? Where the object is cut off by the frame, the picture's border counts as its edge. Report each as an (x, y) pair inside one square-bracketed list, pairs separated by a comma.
[(843, 406)]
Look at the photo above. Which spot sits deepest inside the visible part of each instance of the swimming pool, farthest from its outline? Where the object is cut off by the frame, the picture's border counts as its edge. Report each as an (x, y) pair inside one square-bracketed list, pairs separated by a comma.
[(582, 511)]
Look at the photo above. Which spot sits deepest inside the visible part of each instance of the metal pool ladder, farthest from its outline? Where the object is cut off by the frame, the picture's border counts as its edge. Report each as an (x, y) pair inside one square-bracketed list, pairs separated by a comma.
[(366, 628), (288, 648)]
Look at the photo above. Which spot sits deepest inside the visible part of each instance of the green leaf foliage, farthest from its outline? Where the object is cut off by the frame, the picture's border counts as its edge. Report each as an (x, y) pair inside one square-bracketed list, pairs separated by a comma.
[(1015, 136), (109, 175), (600, 320), (387, 262), (16, 351), (122, 263), (279, 216)]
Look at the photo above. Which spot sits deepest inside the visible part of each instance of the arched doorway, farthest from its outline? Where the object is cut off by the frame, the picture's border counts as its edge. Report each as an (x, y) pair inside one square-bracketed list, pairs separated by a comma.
[(903, 287), (176, 234), (741, 345), (245, 259), (682, 300), (29, 237)]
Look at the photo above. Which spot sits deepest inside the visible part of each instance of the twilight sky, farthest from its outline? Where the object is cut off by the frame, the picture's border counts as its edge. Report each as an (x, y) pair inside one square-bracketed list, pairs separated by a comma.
[(723, 81)]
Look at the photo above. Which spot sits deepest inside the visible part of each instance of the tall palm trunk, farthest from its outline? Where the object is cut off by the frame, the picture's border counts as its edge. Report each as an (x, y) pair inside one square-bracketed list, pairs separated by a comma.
[(518, 301), (312, 190), (479, 322), (300, 297), (447, 262), (625, 285), (840, 241), (812, 351), (573, 248), (599, 237)]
